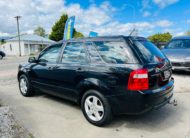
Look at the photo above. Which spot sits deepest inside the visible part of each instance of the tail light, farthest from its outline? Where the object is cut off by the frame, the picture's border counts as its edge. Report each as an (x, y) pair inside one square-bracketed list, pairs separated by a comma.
[(138, 80)]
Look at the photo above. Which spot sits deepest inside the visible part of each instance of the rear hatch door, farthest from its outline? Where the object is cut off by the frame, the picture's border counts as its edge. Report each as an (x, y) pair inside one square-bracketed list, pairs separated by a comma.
[(158, 65)]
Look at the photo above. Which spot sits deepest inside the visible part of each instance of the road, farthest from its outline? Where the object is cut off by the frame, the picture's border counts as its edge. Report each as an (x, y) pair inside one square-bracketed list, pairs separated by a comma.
[(50, 117)]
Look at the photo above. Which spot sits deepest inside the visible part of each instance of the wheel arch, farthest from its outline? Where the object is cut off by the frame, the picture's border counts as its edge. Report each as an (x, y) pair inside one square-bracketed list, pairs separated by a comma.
[(90, 84), (21, 73)]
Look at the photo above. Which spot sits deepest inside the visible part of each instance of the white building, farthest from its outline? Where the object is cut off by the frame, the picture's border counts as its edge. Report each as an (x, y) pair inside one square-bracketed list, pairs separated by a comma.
[(30, 44)]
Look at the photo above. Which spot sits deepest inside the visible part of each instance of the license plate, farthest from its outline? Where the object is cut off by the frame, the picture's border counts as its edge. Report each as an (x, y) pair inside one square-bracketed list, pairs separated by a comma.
[(167, 74)]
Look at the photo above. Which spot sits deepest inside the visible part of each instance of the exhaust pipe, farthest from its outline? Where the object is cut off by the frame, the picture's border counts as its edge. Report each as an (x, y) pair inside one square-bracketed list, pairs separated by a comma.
[(173, 102)]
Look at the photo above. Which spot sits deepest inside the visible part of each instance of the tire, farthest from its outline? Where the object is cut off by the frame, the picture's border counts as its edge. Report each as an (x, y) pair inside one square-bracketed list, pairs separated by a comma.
[(25, 86), (96, 108), (1, 57)]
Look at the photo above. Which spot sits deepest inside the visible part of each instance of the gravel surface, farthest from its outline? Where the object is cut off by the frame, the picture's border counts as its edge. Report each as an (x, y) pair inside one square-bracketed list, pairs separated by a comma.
[(9, 128)]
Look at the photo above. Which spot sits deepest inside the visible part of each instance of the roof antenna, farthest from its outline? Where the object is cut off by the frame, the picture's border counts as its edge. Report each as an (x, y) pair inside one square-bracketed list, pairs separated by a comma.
[(132, 31)]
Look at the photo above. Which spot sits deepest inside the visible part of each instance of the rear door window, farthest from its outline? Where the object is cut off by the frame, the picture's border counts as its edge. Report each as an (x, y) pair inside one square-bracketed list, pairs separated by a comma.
[(115, 52), (74, 52), (148, 51)]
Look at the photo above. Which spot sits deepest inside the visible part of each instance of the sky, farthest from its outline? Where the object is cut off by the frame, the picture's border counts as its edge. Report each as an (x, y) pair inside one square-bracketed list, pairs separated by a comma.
[(109, 17)]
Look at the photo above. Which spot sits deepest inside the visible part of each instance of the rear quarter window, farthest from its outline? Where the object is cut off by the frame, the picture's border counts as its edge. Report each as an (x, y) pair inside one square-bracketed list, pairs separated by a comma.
[(115, 52)]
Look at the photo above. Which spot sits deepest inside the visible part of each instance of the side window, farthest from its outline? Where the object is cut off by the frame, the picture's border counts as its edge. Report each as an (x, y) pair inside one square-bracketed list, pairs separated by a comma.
[(93, 53), (74, 52), (50, 54), (114, 52)]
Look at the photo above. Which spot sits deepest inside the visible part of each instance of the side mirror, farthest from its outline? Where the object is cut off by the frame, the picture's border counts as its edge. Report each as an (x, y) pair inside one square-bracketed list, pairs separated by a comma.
[(32, 60), (42, 62)]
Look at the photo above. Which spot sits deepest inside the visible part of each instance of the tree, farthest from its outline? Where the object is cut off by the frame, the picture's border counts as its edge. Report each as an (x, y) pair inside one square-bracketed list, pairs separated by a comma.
[(59, 27), (77, 34), (40, 31), (2, 41), (187, 33), (157, 38)]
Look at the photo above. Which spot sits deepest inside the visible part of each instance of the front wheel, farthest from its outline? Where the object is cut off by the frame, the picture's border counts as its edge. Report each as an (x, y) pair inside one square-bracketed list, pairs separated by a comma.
[(25, 86), (96, 108), (1, 57)]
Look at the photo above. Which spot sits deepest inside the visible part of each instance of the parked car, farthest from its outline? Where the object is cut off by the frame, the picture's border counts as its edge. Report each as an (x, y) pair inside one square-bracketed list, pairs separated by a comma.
[(178, 52), (161, 45), (106, 76), (2, 55)]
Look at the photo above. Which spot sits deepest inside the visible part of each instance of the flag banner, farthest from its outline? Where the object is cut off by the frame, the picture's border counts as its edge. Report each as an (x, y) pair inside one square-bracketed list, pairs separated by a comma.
[(93, 34), (69, 28)]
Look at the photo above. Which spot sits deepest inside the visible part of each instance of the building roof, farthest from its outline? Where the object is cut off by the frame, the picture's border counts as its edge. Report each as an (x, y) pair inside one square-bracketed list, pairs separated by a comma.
[(31, 37), (5, 37)]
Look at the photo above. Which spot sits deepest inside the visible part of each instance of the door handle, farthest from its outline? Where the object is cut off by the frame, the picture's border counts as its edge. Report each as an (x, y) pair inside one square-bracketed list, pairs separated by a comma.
[(50, 68), (53, 67), (80, 70)]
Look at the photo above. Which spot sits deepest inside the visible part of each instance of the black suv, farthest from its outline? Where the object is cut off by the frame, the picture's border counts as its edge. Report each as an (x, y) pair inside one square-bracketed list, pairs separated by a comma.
[(106, 76)]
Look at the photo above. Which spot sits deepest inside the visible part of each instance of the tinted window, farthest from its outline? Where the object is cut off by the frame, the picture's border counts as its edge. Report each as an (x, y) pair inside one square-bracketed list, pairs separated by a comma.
[(93, 53), (178, 44), (50, 54), (148, 51), (115, 52), (74, 52)]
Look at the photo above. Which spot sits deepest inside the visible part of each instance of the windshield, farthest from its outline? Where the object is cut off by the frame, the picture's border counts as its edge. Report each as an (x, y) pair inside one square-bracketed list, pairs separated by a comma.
[(179, 44), (148, 51)]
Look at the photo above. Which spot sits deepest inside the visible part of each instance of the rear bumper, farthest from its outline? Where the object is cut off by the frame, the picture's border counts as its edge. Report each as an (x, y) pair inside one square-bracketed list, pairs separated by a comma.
[(134, 102)]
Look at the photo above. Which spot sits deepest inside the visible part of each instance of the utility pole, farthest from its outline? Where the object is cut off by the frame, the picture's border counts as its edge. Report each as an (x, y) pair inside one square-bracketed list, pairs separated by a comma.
[(18, 29)]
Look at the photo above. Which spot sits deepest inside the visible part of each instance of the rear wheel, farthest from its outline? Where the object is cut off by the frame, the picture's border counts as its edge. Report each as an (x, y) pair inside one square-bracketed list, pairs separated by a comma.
[(96, 108), (25, 86)]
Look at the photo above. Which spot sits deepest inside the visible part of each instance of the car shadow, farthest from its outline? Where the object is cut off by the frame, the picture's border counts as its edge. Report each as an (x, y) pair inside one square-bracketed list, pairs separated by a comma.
[(156, 120), (182, 73), (57, 99), (153, 121)]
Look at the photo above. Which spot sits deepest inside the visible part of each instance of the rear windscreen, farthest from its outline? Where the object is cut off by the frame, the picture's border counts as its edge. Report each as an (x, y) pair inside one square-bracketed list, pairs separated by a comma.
[(148, 51), (179, 44)]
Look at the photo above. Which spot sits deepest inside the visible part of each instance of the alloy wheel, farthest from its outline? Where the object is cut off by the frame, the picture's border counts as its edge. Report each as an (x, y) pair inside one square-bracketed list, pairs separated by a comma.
[(94, 108), (23, 85)]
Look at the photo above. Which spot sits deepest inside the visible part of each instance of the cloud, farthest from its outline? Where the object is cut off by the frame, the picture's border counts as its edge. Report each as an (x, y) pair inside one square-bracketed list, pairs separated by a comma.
[(4, 34), (180, 34), (33, 12), (164, 3), (164, 23), (45, 13), (146, 4), (188, 21), (146, 14), (99, 18), (174, 31)]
